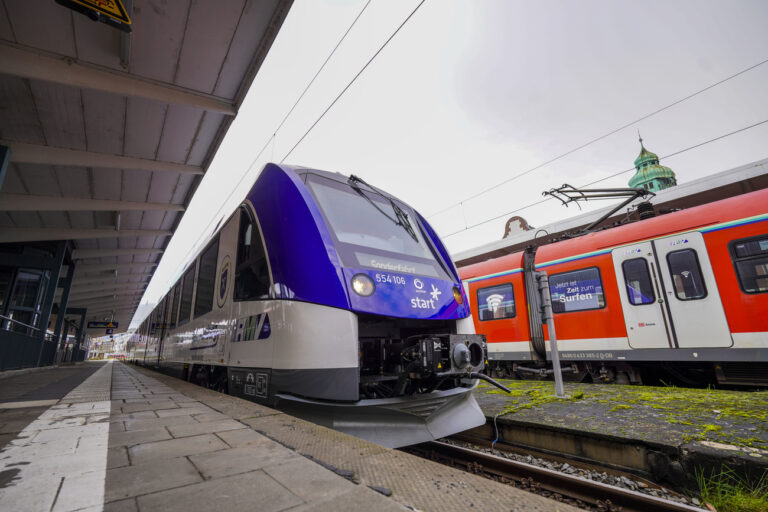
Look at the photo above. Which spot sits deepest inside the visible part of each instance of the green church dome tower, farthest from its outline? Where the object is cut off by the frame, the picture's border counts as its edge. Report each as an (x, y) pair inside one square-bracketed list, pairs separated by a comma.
[(650, 175)]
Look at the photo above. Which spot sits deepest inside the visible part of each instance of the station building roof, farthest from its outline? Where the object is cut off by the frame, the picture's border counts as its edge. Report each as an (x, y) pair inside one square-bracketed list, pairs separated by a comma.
[(111, 132)]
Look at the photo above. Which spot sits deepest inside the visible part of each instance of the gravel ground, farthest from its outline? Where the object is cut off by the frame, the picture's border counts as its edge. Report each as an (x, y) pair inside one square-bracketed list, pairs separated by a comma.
[(594, 475)]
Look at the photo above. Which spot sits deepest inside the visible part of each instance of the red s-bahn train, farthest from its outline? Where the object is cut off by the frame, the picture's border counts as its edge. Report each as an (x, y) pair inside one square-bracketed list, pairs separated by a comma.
[(681, 297)]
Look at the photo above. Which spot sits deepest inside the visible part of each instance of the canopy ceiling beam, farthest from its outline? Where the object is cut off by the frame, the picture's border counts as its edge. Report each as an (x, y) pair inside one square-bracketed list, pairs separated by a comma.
[(99, 298), (81, 254), (28, 203), (105, 288), (127, 302), (49, 155), (16, 235), (101, 267), (99, 312), (26, 62), (111, 279), (120, 306)]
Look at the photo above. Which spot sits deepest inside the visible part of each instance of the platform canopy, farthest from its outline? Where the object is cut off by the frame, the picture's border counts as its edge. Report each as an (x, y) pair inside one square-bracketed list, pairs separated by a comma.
[(110, 132)]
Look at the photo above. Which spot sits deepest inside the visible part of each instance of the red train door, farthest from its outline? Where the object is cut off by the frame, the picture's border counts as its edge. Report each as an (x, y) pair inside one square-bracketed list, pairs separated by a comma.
[(642, 300), (691, 291)]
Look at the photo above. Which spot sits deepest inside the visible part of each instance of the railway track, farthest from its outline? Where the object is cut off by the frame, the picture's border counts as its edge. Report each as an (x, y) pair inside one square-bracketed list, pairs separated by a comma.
[(554, 484)]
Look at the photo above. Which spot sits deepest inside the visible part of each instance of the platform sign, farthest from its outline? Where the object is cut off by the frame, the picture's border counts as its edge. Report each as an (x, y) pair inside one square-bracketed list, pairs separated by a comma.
[(102, 325), (111, 12), (110, 331)]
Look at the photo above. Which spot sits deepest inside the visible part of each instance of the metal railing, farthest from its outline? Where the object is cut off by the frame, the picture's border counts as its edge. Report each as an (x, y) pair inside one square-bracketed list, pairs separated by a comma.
[(6, 326)]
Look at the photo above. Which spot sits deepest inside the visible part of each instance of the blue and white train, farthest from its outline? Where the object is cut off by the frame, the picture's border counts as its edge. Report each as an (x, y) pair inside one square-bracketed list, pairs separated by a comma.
[(329, 299)]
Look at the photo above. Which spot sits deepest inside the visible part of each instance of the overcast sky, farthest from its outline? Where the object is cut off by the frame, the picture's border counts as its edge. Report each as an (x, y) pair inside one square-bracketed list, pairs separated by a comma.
[(470, 93)]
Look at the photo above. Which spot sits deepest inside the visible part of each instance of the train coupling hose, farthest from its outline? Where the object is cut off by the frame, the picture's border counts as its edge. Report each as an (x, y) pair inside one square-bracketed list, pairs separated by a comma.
[(489, 380)]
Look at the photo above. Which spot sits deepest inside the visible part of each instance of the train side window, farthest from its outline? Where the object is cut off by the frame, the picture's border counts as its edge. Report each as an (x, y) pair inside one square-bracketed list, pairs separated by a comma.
[(686, 275), (252, 271), (578, 290), (750, 257), (186, 295), (206, 277), (638, 282), (496, 302), (175, 304)]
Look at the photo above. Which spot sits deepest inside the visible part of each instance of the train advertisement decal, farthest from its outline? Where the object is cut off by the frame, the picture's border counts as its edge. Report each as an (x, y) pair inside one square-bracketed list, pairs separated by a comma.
[(254, 327), (221, 296), (576, 291)]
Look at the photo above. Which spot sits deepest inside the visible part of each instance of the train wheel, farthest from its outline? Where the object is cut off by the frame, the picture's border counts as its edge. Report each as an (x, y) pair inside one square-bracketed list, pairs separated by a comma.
[(221, 384), (622, 378)]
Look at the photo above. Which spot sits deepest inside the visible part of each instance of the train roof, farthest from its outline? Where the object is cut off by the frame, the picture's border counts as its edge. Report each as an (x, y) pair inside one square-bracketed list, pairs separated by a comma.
[(743, 207), (708, 189), (718, 212)]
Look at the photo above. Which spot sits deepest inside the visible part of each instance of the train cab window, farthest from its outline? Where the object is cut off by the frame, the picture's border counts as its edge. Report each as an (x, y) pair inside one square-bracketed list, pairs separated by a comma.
[(750, 257), (638, 282), (186, 295), (496, 302), (206, 277), (686, 275), (252, 271), (579, 290)]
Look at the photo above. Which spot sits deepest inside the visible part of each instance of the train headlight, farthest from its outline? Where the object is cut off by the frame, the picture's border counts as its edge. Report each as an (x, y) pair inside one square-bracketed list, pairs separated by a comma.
[(457, 295), (363, 285)]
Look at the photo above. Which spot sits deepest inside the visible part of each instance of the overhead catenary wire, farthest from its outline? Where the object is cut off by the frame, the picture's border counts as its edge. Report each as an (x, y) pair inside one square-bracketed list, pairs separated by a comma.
[(597, 139), (354, 79), (258, 156), (272, 138), (670, 155)]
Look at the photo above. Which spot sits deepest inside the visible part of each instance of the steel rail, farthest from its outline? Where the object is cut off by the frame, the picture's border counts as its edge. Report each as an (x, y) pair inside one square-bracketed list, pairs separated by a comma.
[(569, 486)]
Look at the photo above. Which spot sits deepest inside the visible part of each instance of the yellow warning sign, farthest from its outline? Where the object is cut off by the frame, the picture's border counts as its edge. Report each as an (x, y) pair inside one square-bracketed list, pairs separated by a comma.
[(112, 8)]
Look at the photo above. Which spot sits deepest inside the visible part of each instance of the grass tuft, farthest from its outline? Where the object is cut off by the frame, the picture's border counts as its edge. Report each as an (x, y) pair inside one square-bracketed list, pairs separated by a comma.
[(728, 492)]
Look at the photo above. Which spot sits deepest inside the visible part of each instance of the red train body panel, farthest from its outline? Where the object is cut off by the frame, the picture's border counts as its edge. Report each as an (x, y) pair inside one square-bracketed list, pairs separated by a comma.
[(689, 286)]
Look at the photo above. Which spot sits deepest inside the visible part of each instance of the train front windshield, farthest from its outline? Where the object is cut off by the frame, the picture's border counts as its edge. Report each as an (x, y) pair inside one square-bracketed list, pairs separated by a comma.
[(370, 232)]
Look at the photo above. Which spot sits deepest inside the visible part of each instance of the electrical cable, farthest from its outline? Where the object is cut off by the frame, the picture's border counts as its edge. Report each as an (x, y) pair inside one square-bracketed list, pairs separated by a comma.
[(353, 80), (597, 139), (282, 122), (285, 118), (540, 201)]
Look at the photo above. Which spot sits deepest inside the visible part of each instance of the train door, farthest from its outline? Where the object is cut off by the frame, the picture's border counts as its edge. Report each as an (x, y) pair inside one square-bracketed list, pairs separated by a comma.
[(691, 292), (642, 299)]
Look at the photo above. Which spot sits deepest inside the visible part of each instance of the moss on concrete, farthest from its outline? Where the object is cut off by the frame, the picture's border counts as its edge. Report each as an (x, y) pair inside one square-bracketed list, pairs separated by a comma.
[(669, 415)]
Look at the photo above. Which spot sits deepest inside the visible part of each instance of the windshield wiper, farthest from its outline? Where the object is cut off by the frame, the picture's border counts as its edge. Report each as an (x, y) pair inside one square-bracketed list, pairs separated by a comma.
[(402, 217)]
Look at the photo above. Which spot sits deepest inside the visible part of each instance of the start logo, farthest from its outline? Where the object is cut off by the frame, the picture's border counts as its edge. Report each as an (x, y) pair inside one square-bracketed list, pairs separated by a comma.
[(417, 303)]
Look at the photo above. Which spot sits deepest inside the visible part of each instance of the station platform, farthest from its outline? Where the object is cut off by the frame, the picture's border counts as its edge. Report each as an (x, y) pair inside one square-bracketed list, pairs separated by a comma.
[(109, 436), (662, 433)]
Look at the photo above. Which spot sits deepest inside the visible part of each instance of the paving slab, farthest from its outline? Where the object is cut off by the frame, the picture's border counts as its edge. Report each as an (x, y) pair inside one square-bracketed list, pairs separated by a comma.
[(140, 479), (308, 480), (134, 437), (57, 462), (153, 423), (243, 459), (182, 447), (210, 427), (415, 483), (136, 440), (250, 491)]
